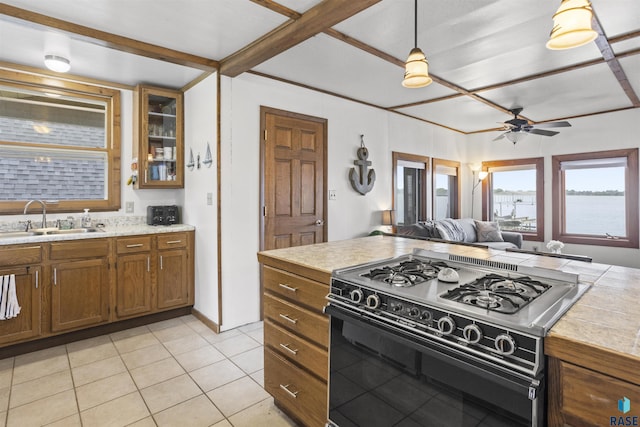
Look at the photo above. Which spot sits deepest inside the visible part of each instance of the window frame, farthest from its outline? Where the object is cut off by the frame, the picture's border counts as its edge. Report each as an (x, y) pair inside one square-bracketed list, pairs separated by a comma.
[(452, 164), (487, 190), (111, 98), (631, 239), (397, 156)]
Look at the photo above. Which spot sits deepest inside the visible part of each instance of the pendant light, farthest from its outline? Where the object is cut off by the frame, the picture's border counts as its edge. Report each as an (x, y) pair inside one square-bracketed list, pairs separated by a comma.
[(416, 68), (572, 25)]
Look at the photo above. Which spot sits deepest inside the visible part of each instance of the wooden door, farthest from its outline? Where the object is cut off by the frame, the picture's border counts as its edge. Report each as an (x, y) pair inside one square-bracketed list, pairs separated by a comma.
[(27, 323), (79, 294), (293, 154), (133, 288), (173, 283)]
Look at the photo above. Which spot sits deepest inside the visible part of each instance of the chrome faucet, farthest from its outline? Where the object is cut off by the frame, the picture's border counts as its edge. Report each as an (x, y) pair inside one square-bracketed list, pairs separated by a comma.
[(44, 211)]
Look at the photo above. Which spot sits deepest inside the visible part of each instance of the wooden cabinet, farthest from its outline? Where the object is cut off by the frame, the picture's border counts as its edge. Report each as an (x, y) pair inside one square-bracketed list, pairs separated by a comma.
[(79, 284), (133, 284), (173, 272), (24, 263), (296, 338), (159, 146)]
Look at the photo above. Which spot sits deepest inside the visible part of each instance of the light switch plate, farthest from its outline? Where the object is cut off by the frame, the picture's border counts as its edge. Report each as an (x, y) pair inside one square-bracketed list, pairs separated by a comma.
[(210, 199), (129, 207)]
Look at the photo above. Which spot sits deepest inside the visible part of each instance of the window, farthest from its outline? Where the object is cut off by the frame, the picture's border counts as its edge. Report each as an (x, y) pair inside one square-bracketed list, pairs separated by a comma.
[(595, 198), (410, 187), (60, 144), (514, 196), (446, 189)]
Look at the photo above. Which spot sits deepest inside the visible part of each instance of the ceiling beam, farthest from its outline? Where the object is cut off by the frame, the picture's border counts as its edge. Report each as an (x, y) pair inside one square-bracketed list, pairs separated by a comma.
[(110, 40), (314, 21)]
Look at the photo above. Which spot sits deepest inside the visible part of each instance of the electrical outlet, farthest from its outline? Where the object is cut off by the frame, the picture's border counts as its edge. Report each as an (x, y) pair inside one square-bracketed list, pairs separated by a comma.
[(332, 194), (129, 207), (210, 199)]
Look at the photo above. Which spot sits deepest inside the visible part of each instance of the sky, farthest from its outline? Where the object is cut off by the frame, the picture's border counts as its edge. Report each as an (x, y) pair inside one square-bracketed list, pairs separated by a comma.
[(578, 179)]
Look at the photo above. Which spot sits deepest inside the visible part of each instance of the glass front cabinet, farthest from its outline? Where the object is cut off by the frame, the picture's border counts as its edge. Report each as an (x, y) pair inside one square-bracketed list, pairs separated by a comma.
[(160, 145)]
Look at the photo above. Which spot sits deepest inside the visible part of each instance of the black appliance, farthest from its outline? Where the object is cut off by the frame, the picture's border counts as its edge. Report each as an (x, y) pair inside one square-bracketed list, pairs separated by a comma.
[(432, 339), (163, 215)]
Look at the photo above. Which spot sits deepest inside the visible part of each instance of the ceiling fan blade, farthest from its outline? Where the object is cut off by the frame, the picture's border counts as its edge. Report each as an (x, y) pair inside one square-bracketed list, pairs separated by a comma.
[(543, 132), (553, 125), (499, 137)]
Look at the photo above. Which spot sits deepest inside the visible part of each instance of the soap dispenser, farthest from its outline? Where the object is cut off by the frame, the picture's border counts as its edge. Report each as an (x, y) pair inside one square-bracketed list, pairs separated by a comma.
[(86, 219)]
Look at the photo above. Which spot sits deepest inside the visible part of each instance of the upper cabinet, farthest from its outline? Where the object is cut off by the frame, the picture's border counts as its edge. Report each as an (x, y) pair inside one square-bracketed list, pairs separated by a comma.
[(160, 145)]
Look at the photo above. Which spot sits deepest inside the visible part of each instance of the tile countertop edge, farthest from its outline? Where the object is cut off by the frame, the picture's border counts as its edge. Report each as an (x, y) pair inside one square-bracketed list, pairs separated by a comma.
[(129, 230), (351, 252)]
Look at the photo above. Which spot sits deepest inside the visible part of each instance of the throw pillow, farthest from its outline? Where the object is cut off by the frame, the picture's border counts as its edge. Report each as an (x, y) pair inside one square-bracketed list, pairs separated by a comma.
[(449, 229), (488, 232)]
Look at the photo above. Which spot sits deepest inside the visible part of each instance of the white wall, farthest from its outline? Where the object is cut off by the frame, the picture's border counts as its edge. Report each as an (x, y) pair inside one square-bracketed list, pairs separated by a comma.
[(350, 215), (596, 133), (200, 129)]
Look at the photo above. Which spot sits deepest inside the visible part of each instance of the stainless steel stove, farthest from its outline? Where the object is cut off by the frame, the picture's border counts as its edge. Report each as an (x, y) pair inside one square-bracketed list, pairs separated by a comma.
[(484, 318)]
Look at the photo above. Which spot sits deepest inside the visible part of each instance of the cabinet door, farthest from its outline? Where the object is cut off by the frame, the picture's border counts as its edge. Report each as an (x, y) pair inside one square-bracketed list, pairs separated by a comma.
[(173, 285), (27, 323), (133, 289), (79, 294)]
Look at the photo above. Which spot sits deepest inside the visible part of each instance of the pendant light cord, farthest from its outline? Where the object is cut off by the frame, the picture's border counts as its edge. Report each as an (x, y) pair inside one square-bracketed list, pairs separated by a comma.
[(415, 24)]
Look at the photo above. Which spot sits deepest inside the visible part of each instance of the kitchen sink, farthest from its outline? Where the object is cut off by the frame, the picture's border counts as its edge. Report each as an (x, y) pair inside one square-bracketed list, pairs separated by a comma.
[(46, 231)]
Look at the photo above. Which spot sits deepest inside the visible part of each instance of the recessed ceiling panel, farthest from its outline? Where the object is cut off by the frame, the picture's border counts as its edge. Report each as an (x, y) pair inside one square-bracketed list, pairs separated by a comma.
[(617, 17), (326, 63), (462, 113), (93, 61), (300, 6), (213, 28), (626, 45), (583, 91), (630, 65)]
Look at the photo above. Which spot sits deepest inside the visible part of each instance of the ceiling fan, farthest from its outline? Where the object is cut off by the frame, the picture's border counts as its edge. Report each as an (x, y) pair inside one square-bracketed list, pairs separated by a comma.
[(517, 128)]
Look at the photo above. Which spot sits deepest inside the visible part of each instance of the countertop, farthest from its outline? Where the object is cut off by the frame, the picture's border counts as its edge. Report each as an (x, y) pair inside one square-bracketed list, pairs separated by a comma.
[(606, 318), (110, 231)]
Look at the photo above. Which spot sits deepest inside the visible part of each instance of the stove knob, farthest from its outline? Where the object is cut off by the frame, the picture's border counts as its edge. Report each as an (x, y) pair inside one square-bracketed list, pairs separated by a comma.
[(356, 295), (396, 307), (414, 312), (505, 344), (426, 316), (472, 333), (446, 325), (373, 301)]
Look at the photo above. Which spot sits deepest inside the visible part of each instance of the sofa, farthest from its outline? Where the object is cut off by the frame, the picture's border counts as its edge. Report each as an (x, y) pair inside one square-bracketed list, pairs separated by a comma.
[(464, 230)]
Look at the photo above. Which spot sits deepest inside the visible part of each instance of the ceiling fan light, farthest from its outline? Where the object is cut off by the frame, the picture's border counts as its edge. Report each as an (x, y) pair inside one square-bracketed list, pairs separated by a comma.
[(572, 25), (516, 136), (57, 63), (416, 70)]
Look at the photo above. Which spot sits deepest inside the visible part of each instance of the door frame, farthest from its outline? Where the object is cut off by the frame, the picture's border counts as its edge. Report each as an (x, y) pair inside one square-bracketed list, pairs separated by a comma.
[(263, 114)]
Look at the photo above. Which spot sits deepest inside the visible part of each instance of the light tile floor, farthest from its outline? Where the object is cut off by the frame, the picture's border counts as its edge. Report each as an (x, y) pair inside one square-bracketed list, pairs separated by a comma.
[(172, 373)]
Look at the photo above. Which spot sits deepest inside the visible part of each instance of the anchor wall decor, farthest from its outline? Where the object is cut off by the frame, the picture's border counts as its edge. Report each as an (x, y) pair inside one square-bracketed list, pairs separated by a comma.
[(363, 182)]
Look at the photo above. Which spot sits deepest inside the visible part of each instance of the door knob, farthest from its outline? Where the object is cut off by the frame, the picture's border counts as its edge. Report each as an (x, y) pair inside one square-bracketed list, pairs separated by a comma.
[(320, 222)]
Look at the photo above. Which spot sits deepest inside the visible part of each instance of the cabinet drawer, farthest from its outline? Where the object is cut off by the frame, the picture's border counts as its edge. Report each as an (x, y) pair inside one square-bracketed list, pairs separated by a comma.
[(592, 398), (85, 248), (305, 323), (20, 255), (172, 240), (295, 288), (290, 346), (134, 244), (304, 396)]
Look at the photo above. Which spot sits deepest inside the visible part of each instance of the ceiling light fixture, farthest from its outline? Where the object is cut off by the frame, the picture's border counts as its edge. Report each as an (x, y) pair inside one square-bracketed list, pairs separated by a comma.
[(416, 68), (515, 136), (56, 52), (572, 25)]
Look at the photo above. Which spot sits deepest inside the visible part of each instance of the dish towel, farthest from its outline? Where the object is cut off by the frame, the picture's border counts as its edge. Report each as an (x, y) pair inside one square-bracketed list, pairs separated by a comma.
[(9, 307)]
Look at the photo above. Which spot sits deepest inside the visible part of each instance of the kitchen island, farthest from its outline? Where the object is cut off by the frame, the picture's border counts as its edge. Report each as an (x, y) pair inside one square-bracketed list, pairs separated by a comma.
[(594, 350)]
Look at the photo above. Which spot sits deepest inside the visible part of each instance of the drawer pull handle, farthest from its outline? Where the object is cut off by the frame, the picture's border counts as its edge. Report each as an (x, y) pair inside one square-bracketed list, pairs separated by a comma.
[(287, 287), (289, 349), (288, 319), (137, 245), (37, 279), (293, 394), (172, 242)]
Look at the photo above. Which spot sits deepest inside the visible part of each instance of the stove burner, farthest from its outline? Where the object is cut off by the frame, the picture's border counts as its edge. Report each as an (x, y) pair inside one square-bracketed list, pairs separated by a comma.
[(498, 293), (407, 273)]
